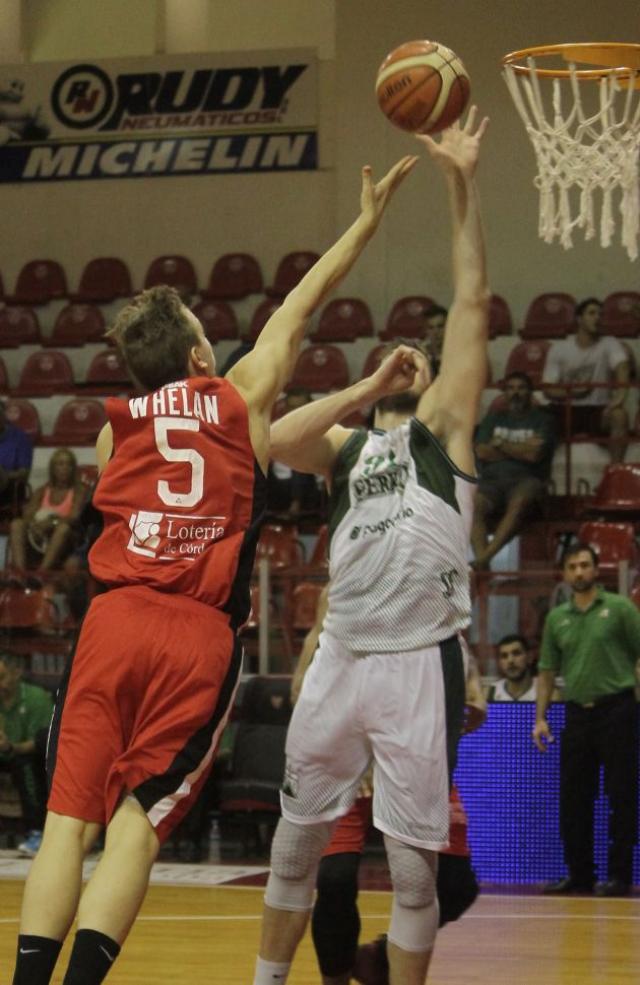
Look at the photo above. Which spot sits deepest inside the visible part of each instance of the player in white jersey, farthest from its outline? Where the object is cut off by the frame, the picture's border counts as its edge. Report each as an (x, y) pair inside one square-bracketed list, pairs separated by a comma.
[(400, 514)]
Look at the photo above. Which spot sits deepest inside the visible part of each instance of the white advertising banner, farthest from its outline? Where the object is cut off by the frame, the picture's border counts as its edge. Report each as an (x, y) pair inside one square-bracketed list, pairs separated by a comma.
[(152, 117)]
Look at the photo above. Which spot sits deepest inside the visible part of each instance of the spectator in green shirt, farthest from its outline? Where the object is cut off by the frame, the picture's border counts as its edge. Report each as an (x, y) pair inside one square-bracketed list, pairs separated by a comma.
[(514, 447), (25, 712), (593, 641)]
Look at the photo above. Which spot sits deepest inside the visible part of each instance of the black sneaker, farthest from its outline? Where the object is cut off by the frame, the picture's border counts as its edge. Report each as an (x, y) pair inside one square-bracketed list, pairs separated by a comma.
[(567, 886)]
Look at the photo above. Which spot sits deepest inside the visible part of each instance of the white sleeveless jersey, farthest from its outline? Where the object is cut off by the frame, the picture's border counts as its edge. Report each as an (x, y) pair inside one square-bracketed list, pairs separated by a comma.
[(399, 524)]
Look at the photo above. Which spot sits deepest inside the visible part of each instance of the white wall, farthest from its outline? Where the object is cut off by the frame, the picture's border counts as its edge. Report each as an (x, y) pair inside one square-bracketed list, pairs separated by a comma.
[(271, 214)]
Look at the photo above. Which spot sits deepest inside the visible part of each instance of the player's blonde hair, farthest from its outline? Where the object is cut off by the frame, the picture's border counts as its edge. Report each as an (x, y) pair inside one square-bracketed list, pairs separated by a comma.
[(154, 336)]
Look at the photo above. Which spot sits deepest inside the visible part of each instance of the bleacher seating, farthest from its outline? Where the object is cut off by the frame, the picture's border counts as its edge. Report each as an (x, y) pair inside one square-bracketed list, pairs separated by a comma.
[(260, 317), (305, 603), (103, 280), (19, 325), (500, 321), (290, 272), (39, 282), (613, 542), (280, 545), (618, 491), (343, 320), (529, 358), (550, 315), (234, 276), (320, 368), (374, 358), (76, 325), (406, 317), (218, 320), (621, 314), (45, 372), (107, 370), (79, 422), (176, 271), (23, 414)]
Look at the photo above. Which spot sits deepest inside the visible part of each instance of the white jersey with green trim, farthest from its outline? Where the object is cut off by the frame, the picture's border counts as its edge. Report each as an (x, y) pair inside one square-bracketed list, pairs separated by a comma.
[(399, 523)]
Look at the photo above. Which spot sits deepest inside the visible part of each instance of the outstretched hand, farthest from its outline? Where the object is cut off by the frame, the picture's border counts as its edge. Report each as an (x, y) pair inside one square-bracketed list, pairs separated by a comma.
[(459, 146), (397, 372), (374, 198)]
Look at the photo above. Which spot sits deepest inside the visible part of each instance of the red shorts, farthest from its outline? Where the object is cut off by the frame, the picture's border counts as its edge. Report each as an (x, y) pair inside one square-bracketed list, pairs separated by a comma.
[(351, 831), (142, 707)]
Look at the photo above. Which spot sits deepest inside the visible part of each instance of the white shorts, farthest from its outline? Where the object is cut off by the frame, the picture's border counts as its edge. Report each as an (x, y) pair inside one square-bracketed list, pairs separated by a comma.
[(404, 711)]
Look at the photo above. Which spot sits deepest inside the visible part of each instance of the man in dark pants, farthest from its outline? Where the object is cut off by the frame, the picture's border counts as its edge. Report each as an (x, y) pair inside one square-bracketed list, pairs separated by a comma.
[(593, 640)]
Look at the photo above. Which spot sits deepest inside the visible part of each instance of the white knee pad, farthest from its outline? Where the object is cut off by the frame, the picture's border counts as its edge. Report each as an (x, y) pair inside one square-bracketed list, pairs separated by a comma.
[(415, 912), (295, 855)]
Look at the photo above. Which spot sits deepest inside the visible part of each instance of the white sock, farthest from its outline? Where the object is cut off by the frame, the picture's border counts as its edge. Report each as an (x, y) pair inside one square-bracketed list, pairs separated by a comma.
[(271, 972)]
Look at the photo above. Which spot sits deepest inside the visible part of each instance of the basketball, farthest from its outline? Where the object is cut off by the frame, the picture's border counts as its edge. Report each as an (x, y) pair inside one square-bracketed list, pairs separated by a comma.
[(422, 87)]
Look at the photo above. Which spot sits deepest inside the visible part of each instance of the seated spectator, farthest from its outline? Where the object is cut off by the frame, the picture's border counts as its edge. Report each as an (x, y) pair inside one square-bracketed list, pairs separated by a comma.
[(515, 665), (435, 319), (25, 711), (514, 447), (16, 455), (585, 358), (43, 534)]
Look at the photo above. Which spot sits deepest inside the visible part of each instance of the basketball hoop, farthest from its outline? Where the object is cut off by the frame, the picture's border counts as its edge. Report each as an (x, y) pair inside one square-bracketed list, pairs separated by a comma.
[(592, 145)]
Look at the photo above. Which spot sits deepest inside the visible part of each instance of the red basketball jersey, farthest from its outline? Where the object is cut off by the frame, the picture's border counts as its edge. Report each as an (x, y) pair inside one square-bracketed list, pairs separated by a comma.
[(182, 495)]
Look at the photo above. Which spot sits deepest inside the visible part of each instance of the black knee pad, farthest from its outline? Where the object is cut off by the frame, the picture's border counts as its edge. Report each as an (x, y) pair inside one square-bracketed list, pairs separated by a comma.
[(457, 886), (335, 923)]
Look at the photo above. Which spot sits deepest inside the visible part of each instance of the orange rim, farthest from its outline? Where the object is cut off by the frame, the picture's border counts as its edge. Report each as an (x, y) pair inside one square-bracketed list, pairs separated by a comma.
[(612, 57)]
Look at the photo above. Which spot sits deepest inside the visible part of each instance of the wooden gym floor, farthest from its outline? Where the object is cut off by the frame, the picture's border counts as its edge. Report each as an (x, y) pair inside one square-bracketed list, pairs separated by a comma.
[(205, 934)]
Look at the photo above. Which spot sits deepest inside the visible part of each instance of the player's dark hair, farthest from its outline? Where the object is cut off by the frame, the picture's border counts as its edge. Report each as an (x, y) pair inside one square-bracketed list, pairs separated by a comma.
[(576, 548), (399, 340), (519, 375), (433, 310), (583, 305), (513, 638), (154, 337)]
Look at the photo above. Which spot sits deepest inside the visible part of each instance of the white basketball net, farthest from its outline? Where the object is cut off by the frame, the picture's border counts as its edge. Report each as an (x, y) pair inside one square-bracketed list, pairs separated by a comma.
[(583, 152)]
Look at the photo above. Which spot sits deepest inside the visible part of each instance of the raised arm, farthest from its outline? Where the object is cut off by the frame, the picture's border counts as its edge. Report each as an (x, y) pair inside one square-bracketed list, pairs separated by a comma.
[(309, 438), (449, 407), (262, 374)]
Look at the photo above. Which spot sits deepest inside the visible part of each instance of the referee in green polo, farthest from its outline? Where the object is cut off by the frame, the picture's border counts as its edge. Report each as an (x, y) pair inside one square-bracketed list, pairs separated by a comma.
[(593, 641)]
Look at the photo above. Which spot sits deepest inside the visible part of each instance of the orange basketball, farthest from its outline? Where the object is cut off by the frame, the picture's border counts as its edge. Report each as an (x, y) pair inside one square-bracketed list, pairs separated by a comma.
[(422, 87)]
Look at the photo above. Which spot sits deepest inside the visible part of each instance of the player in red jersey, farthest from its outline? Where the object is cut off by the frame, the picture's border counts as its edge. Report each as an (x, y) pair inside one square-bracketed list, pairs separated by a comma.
[(152, 680)]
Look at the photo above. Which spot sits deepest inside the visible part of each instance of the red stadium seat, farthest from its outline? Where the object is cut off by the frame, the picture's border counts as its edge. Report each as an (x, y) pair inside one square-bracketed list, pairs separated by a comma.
[(44, 373), (550, 316), (280, 546), (23, 414), (88, 475), (621, 314), (406, 318), (320, 368), (79, 422), (234, 276), (618, 490), (107, 370), (24, 608), (218, 320), (374, 358), (77, 324), (19, 326), (320, 553), (104, 279), (260, 317), (614, 542), (305, 604), (529, 358), (343, 320), (290, 272), (500, 321), (176, 271), (40, 281)]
